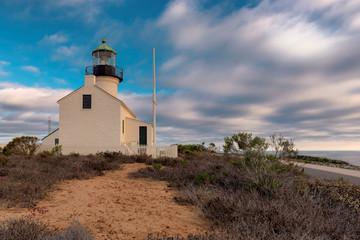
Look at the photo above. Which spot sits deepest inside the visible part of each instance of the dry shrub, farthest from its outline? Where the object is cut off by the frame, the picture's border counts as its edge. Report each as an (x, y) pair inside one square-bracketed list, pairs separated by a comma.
[(30, 229), (25, 181), (256, 199), (21, 229)]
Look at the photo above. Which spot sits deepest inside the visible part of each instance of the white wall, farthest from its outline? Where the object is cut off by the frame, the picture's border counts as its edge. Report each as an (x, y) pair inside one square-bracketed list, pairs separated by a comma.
[(132, 131), (50, 139), (108, 83), (98, 126), (123, 115)]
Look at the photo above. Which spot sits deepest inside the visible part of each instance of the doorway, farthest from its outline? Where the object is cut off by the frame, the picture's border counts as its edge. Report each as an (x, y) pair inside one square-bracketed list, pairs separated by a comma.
[(143, 135)]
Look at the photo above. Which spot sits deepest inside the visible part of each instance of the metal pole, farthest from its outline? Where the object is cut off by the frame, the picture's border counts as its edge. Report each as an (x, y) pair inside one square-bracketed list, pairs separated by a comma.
[(154, 102), (49, 126)]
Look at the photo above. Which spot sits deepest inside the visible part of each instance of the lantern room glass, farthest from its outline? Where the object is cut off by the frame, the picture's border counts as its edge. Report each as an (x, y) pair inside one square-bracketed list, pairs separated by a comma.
[(104, 58)]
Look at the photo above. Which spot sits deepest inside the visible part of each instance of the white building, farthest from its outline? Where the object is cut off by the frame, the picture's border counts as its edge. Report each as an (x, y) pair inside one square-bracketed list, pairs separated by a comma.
[(93, 119)]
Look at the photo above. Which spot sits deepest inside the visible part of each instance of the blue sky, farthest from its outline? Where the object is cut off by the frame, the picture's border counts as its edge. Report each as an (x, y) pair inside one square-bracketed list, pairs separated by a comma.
[(291, 67)]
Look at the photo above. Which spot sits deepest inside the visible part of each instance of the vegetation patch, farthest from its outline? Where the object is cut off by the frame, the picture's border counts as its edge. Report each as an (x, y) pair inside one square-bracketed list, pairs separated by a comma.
[(25, 180), (325, 161), (250, 195), (29, 229), (244, 194)]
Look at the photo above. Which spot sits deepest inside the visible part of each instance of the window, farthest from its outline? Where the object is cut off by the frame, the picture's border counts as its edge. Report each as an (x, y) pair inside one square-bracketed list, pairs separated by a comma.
[(86, 101), (56, 141), (123, 126)]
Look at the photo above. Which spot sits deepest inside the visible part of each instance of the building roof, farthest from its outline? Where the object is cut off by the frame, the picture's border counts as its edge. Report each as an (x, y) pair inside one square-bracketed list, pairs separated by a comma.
[(49, 134), (104, 47)]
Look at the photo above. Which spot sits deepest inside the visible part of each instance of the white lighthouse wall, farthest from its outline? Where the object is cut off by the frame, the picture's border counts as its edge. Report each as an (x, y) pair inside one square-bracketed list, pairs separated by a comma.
[(82, 129), (108, 83), (132, 131)]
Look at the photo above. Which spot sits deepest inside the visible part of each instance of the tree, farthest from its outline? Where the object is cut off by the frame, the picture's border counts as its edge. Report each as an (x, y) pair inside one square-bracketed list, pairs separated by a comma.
[(212, 147), (245, 143), (282, 147), (25, 145)]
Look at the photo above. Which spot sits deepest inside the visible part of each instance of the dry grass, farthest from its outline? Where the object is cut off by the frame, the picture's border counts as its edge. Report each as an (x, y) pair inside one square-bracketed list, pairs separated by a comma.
[(253, 198), (25, 181), (29, 229), (259, 200)]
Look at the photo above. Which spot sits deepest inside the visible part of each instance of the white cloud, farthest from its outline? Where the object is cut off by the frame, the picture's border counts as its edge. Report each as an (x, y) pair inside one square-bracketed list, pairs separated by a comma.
[(172, 63), (74, 55), (60, 81), (67, 51), (15, 96), (4, 63), (2, 71), (25, 110), (87, 10), (299, 39), (32, 69), (56, 38)]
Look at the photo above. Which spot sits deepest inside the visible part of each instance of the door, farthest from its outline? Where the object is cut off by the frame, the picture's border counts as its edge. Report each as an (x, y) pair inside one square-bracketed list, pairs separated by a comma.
[(143, 135)]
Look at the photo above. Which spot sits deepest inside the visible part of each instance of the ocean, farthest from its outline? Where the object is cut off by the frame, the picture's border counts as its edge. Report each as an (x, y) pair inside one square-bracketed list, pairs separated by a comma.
[(352, 157)]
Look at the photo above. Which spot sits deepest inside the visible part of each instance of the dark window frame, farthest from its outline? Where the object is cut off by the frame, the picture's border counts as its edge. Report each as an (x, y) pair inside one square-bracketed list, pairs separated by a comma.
[(123, 126), (87, 101), (56, 141)]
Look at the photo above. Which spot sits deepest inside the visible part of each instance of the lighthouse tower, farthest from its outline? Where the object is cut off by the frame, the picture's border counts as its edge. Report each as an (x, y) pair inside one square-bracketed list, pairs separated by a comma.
[(108, 75)]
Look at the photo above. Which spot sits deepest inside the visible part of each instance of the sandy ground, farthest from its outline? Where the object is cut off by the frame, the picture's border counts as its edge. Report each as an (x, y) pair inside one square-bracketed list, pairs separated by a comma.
[(115, 207)]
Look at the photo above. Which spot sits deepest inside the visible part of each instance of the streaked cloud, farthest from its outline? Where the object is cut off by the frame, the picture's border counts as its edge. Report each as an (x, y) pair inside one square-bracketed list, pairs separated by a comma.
[(56, 38), (291, 67), (265, 69), (2, 71), (60, 81), (25, 110), (32, 69)]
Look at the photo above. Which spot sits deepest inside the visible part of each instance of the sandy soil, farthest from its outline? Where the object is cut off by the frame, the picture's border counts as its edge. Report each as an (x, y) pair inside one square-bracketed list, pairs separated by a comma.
[(115, 207)]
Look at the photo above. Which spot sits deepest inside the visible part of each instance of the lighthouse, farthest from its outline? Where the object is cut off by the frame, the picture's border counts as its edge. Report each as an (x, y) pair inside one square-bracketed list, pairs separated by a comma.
[(108, 75)]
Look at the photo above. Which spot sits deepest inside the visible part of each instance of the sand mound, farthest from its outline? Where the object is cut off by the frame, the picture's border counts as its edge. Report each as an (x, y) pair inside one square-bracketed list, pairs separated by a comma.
[(115, 207)]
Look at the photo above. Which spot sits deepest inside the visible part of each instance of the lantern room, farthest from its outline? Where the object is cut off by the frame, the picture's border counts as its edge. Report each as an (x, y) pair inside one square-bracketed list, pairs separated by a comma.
[(104, 55), (104, 62)]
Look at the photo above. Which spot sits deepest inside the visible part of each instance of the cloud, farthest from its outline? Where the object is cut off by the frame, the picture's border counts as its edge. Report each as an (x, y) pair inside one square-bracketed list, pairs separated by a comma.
[(57, 38), (4, 63), (25, 110), (87, 10), (73, 54), (2, 72), (31, 69), (60, 81), (18, 97), (281, 66), (172, 63)]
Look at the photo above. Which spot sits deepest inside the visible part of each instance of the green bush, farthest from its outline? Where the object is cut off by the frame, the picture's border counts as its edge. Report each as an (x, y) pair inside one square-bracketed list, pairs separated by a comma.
[(157, 166), (24, 145), (191, 149), (201, 178), (283, 148), (56, 150), (244, 142), (308, 159)]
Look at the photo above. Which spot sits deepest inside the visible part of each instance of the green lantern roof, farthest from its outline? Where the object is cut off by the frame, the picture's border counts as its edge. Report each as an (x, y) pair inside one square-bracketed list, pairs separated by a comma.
[(104, 47)]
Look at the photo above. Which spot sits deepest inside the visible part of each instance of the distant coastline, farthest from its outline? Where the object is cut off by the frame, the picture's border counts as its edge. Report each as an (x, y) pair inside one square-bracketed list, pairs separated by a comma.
[(352, 157)]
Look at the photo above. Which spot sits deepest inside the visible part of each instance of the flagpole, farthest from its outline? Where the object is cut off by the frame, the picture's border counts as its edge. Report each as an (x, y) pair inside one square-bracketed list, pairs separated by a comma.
[(154, 102)]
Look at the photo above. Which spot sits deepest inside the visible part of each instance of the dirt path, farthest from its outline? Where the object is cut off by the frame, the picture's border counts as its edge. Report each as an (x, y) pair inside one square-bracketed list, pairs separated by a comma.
[(116, 207)]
